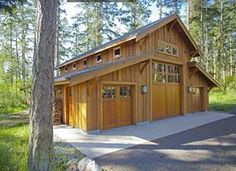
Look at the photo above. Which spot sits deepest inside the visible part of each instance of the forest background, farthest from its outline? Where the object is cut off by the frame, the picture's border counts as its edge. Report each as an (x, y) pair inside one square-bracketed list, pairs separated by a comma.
[(212, 23)]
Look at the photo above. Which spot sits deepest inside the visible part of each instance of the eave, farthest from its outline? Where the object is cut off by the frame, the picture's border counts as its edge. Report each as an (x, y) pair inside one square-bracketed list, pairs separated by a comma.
[(206, 74)]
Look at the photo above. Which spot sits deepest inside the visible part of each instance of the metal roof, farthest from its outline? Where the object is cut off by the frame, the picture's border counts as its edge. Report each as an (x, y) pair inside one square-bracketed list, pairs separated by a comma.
[(129, 35), (86, 70)]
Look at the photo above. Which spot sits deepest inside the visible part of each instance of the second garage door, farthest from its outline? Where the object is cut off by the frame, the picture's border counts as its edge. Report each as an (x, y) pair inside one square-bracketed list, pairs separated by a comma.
[(165, 90), (117, 106)]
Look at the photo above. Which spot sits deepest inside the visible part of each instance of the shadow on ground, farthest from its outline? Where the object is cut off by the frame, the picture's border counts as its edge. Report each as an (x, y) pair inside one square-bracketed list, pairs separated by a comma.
[(208, 147)]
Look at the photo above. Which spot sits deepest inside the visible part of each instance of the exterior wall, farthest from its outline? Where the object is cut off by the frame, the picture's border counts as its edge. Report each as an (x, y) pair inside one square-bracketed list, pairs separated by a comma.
[(86, 101), (128, 49), (198, 80)]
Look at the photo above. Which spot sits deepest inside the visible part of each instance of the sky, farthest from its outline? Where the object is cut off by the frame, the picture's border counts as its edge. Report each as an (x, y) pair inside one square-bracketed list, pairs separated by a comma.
[(72, 10)]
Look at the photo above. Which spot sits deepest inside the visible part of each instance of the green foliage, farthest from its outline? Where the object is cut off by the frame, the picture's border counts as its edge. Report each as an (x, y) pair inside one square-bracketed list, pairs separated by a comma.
[(14, 148), (222, 101), (10, 101)]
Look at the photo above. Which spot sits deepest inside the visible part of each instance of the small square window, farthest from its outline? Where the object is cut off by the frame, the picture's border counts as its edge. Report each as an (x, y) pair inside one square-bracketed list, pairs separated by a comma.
[(66, 69), (174, 51), (168, 49), (85, 63), (74, 66), (109, 92), (99, 59), (125, 92), (117, 53)]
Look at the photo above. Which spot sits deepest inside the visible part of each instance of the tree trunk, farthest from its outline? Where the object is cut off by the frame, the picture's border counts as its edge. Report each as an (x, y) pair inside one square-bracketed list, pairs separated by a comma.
[(41, 130)]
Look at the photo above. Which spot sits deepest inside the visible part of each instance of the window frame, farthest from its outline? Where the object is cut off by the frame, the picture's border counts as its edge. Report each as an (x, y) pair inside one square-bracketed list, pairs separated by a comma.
[(126, 91), (116, 56), (110, 93), (98, 62), (85, 60), (164, 45), (166, 75), (74, 66)]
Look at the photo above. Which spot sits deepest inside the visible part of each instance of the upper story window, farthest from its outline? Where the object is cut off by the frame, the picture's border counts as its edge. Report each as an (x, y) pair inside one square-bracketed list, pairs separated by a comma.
[(117, 52), (167, 48), (74, 66), (66, 69), (85, 63), (99, 59)]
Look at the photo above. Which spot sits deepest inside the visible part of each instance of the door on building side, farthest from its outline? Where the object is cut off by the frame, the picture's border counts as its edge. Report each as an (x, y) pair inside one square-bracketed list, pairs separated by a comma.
[(165, 90), (69, 105), (116, 105), (197, 100)]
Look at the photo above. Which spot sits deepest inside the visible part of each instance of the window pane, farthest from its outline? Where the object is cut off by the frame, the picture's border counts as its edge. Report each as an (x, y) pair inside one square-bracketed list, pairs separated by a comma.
[(170, 68), (174, 51), (161, 47), (168, 49), (99, 58), (117, 52), (125, 91), (109, 92), (176, 69), (85, 63), (161, 68)]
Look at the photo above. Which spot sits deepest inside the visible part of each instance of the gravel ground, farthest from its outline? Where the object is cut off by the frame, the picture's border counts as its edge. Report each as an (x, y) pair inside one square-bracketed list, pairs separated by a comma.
[(64, 152), (208, 147)]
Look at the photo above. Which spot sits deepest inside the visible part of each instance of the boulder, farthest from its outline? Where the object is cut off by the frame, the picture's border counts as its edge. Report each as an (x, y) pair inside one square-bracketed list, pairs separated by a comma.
[(86, 164)]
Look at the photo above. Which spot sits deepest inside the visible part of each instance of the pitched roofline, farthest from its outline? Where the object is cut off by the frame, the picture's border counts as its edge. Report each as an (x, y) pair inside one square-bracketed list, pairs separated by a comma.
[(124, 38), (194, 64), (135, 34)]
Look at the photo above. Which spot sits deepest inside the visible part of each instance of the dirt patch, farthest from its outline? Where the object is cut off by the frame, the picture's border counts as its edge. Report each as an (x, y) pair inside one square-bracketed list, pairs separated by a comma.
[(16, 119)]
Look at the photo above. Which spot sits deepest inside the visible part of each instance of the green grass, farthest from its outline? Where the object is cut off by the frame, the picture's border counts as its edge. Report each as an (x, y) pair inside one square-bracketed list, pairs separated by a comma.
[(220, 101), (14, 139), (14, 147)]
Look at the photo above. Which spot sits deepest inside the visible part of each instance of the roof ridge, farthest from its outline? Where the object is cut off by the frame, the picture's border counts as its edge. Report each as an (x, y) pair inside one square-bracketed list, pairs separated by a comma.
[(73, 59)]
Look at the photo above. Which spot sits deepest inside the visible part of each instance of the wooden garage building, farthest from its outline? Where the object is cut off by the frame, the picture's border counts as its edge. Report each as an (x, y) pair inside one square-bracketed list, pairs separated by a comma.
[(142, 76)]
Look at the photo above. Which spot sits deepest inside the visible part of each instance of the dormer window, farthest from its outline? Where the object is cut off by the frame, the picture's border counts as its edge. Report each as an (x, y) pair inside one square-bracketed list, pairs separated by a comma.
[(99, 59), (117, 52), (85, 63), (74, 66)]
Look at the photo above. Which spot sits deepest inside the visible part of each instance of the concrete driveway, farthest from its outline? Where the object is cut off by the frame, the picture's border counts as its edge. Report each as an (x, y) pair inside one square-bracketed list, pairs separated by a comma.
[(102, 143)]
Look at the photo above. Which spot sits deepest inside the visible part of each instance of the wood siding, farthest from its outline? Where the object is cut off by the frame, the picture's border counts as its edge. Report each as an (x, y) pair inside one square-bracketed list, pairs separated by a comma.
[(161, 100)]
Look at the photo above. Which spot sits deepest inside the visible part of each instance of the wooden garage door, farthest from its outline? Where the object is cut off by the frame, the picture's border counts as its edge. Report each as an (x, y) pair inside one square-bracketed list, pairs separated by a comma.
[(117, 106), (197, 100), (165, 90)]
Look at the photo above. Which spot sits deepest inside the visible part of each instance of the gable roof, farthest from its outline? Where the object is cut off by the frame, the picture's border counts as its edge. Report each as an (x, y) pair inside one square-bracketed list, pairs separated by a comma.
[(206, 74), (136, 34)]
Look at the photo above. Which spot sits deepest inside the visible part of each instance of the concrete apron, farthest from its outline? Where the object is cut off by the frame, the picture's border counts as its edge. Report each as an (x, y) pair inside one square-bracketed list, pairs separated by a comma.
[(101, 143)]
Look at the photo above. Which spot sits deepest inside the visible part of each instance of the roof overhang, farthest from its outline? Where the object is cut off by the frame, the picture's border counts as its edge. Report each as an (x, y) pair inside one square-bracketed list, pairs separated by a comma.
[(206, 74), (94, 72), (138, 35)]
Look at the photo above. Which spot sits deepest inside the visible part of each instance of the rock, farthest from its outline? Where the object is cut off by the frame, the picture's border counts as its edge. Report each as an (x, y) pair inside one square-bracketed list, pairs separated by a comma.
[(72, 165), (87, 164)]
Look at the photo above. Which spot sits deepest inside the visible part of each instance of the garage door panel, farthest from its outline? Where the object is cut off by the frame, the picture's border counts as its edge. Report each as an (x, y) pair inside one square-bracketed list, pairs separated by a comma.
[(125, 111), (173, 100), (109, 113), (117, 106), (159, 102)]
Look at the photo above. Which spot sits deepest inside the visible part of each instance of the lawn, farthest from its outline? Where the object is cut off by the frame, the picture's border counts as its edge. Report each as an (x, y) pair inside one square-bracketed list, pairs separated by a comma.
[(13, 142), (219, 101), (14, 134)]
